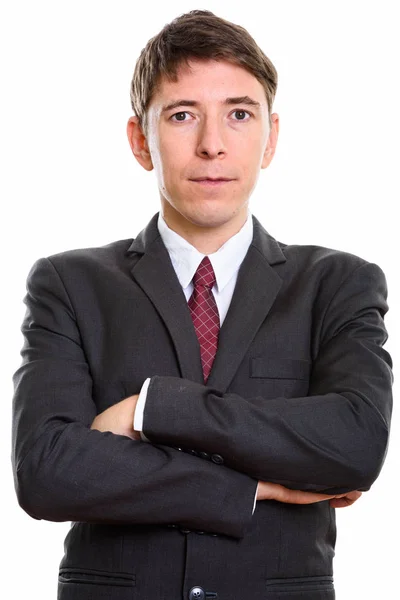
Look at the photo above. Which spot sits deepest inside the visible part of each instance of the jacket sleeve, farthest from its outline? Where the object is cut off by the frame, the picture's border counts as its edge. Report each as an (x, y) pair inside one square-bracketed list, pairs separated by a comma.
[(332, 440), (65, 471)]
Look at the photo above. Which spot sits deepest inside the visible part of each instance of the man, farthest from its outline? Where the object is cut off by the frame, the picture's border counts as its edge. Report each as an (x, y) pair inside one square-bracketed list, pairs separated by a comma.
[(200, 399)]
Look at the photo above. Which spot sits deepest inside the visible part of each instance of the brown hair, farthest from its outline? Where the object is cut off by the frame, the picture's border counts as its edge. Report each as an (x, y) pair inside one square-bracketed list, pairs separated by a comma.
[(198, 34)]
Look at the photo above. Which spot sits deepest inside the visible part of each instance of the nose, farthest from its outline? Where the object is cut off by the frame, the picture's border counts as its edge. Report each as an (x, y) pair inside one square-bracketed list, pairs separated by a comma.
[(210, 141)]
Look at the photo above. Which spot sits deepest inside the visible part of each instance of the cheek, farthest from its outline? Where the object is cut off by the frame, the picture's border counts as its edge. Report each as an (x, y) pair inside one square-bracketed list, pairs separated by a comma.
[(156, 158), (254, 158), (248, 148), (165, 157), (173, 163), (249, 158)]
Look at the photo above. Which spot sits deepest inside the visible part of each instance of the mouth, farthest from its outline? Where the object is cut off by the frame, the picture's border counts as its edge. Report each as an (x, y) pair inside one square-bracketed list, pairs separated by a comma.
[(210, 181)]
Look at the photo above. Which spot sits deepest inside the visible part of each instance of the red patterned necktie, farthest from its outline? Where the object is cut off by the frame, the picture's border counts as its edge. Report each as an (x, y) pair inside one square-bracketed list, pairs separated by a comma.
[(204, 311)]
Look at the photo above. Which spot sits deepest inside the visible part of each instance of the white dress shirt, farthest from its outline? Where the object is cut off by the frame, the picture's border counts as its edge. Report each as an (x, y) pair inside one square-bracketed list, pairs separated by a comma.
[(185, 259)]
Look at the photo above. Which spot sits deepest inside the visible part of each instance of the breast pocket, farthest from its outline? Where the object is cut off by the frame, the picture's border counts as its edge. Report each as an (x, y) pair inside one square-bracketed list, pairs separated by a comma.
[(276, 376), (280, 368)]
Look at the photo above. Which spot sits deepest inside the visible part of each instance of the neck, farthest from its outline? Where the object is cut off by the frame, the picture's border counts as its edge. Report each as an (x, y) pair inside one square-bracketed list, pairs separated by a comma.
[(205, 238)]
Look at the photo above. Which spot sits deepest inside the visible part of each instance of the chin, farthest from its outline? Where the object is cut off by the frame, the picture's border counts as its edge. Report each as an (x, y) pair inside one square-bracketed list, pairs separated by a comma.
[(205, 212), (210, 217)]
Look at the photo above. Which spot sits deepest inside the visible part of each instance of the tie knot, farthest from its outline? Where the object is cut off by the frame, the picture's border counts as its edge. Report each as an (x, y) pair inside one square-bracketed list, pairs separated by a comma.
[(205, 274)]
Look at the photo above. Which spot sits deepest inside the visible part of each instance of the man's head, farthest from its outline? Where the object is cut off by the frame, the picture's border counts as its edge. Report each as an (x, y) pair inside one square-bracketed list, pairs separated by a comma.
[(223, 129), (198, 34)]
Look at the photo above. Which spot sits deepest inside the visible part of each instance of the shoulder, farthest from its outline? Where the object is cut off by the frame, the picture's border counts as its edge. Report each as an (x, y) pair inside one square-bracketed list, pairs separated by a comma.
[(107, 256), (321, 257), (304, 258), (328, 270), (80, 264), (331, 263), (97, 254)]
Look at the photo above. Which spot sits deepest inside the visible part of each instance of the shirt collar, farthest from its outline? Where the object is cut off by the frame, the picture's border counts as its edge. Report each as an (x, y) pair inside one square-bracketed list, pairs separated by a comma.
[(186, 258)]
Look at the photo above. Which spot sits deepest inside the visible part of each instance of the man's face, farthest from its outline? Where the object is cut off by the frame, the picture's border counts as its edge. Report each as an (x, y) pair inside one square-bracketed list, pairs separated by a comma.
[(207, 150)]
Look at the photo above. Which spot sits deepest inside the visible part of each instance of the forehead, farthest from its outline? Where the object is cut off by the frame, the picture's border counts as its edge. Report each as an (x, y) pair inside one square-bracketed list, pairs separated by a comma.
[(209, 80)]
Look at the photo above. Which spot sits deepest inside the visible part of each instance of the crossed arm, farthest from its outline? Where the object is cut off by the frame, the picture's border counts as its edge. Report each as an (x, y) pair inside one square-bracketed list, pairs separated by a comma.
[(71, 464), (119, 418), (329, 443)]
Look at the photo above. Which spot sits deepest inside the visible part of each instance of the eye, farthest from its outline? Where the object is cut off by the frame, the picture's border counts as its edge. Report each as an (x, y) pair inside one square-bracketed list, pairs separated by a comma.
[(178, 116), (241, 114)]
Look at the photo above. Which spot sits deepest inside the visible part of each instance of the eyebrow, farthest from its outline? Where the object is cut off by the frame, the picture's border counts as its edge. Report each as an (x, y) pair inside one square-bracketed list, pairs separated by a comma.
[(228, 101)]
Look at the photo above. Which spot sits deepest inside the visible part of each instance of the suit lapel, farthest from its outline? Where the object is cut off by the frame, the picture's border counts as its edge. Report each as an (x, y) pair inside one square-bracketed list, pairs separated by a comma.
[(154, 273), (256, 289)]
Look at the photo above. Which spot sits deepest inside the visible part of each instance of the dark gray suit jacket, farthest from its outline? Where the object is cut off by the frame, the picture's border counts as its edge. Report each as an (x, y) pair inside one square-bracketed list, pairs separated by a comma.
[(299, 394)]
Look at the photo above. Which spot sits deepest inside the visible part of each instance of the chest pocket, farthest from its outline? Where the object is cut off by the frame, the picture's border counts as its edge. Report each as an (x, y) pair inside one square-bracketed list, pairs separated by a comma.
[(280, 368), (272, 377)]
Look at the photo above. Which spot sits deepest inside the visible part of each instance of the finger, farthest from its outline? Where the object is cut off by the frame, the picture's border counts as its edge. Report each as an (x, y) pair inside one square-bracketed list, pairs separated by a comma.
[(338, 503), (344, 501), (299, 497), (355, 495)]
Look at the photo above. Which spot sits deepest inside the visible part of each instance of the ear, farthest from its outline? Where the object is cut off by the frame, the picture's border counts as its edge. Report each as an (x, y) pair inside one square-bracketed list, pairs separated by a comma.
[(272, 141), (138, 143)]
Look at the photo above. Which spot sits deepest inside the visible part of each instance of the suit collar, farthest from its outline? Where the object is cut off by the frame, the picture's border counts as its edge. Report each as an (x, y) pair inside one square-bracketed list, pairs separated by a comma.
[(256, 289), (262, 241), (225, 261)]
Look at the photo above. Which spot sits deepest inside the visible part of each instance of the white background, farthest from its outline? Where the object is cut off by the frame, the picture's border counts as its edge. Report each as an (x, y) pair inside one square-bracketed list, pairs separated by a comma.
[(69, 180)]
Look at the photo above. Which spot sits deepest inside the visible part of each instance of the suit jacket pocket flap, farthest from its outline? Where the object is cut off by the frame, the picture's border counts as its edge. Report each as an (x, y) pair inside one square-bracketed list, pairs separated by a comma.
[(93, 576), (280, 368)]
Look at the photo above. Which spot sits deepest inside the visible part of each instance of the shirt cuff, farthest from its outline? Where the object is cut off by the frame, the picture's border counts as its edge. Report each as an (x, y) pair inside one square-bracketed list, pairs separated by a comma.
[(255, 500), (138, 418)]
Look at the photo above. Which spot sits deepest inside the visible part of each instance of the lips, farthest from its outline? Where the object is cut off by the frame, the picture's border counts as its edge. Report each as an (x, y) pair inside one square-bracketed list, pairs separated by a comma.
[(212, 179), (211, 183)]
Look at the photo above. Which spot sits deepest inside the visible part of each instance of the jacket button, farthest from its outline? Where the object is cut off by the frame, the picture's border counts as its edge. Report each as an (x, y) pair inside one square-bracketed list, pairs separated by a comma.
[(204, 455), (185, 530), (217, 459), (197, 593), (193, 452)]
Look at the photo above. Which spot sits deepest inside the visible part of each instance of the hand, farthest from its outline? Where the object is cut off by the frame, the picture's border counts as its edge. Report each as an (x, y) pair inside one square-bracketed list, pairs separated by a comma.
[(118, 418), (274, 491)]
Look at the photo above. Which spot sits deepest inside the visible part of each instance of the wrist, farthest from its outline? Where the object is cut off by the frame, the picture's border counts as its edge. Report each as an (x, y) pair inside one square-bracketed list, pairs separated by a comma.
[(128, 413), (265, 490)]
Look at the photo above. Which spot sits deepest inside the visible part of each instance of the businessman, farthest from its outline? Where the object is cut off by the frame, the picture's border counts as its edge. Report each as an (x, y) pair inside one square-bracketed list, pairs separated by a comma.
[(198, 400)]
